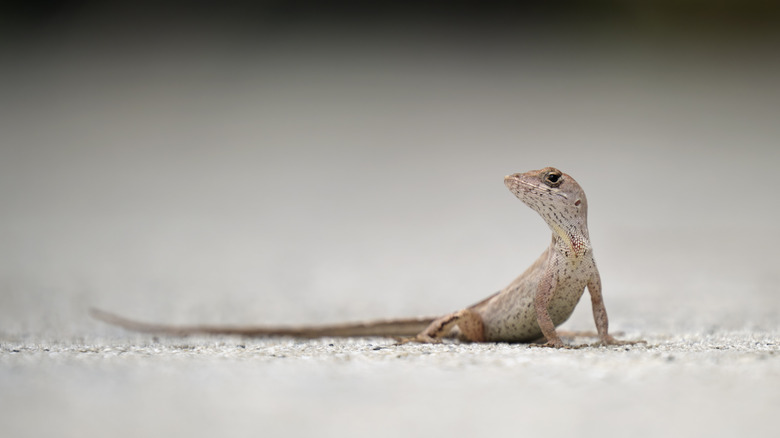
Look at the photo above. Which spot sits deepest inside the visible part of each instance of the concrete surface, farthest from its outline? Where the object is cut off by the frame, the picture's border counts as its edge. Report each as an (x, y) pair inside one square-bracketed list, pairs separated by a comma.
[(698, 384), (310, 179)]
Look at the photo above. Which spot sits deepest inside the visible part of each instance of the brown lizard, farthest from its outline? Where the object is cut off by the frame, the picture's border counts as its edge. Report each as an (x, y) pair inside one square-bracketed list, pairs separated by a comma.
[(527, 310)]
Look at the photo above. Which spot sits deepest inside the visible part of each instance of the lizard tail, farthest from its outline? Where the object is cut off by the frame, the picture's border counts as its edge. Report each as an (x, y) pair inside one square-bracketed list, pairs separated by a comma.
[(381, 328)]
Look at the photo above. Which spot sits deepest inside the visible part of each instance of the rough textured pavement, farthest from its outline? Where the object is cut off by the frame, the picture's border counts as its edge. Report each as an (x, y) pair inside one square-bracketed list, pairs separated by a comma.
[(717, 384)]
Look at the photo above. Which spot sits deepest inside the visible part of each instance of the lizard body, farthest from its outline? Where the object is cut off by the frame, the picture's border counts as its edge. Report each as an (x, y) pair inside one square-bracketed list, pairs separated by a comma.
[(527, 310)]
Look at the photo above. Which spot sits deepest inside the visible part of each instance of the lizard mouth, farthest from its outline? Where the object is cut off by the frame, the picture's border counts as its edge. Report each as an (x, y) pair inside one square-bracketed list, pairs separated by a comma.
[(515, 184), (521, 187)]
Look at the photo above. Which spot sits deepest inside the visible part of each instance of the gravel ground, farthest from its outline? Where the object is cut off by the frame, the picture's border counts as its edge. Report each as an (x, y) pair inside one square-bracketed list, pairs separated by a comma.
[(701, 384)]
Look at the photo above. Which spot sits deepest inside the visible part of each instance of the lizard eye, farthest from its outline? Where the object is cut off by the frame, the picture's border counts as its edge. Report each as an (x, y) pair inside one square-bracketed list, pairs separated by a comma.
[(553, 179)]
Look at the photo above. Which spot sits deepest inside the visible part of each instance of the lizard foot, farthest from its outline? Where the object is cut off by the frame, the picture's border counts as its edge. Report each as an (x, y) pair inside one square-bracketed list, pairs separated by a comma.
[(420, 339), (555, 343)]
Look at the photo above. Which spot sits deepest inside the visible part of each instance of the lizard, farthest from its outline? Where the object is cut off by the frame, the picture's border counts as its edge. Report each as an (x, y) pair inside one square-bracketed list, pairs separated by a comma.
[(527, 310)]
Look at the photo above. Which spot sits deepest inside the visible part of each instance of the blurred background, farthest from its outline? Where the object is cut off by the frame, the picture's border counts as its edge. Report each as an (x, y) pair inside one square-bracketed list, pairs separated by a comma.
[(290, 162), (294, 161)]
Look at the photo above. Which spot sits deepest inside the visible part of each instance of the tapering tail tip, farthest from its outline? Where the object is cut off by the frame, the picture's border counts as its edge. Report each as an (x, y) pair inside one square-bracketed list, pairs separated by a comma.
[(102, 315), (128, 324)]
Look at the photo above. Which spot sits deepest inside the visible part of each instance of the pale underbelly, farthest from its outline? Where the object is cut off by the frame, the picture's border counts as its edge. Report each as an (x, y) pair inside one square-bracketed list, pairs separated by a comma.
[(514, 320)]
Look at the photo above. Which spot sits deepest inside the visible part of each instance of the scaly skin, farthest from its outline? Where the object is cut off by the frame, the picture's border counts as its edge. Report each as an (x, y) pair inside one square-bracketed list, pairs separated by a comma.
[(545, 295), (527, 310)]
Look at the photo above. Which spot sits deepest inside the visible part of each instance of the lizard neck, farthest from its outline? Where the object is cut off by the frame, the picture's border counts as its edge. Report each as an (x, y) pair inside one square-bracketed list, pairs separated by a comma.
[(573, 242)]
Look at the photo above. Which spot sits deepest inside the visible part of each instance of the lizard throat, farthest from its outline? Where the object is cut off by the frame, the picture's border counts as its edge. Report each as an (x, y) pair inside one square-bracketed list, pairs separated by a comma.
[(573, 244)]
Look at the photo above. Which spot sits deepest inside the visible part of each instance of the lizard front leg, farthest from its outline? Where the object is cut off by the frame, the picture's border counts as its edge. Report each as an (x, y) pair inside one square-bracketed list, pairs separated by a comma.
[(600, 313), (468, 321), (542, 306)]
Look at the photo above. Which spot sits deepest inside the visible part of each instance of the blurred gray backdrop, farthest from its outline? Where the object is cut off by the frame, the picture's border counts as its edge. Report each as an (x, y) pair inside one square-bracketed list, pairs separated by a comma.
[(290, 170), (257, 163)]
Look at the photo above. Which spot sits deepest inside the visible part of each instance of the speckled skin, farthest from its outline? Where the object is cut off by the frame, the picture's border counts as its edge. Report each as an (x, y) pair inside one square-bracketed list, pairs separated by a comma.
[(511, 314), (545, 295)]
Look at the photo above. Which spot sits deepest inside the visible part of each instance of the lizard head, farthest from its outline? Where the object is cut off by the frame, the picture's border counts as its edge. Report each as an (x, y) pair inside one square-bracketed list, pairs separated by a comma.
[(556, 196)]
